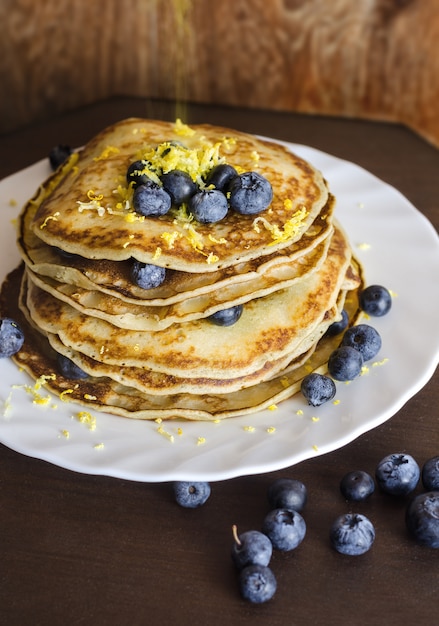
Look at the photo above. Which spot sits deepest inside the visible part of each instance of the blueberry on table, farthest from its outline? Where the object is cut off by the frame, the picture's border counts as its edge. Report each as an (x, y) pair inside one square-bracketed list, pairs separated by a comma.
[(191, 495), (363, 338), (147, 275), (11, 337), (250, 193), (339, 326), (251, 548), (422, 519), (375, 300), (285, 528), (221, 176), (345, 363), (227, 317), (430, 474), (352, 534), (356, 486), (287, 493), (179, 186), (397, 474), (317, 389), (69, 369), (257, 583), (58, 155), (151, 200), (208, 206)]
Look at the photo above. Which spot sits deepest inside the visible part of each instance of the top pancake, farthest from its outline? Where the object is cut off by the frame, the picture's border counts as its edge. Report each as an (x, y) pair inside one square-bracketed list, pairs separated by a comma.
[(87, 210)]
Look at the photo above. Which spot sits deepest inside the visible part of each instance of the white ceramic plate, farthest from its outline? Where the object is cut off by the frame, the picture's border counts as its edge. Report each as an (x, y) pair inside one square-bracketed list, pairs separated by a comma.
[(399, 249)]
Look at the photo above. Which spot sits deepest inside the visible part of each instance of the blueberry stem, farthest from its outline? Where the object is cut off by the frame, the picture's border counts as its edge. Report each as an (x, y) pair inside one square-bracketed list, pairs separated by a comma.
[(235, 534)]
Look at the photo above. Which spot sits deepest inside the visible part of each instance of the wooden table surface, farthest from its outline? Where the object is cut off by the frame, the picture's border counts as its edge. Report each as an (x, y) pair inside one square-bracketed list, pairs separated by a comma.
[(81, 549)]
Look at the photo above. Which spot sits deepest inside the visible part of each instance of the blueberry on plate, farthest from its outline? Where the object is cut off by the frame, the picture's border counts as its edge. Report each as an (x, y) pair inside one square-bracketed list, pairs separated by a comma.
[(363, 338), (151, 200), (257, 583), (191, 495), (375, 300), (69, 369), (208, 206), (345, 363), (352, 534), (11, 337), (422, 519), (147, 275), (179, 186), (285, 528), (397, 474), (58, 155), (250, 193), (317, 389), (221, 176), (339, 326), (287, 493), (356, 486), (227, 317), (430, 474), (251, 548)]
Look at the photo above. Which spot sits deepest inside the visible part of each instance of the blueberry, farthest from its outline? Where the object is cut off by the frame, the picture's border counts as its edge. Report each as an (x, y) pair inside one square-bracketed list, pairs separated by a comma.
[(352, 534), (136, 173), (150, 199), (11, 337), (397, 474), (422, 519), (357, 486), (257, 583), (179, 186), (430, 474), (251, 548), (250, 193), (363, 338), (191, 494), (227, 317), (345, 363), (285, 529), (69, 369), (317, 389), (146, 275), (221, 176), (58, 155), (208, 206), (338, 327), (287, 493), (375, 300)]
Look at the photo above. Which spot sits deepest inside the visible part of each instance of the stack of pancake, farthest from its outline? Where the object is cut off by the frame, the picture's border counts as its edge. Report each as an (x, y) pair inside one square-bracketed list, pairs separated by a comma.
[(155, 353)]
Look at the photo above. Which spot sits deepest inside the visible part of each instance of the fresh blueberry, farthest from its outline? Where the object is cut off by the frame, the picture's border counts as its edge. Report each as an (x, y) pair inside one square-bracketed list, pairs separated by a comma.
[(257, 583), (227, 317), (11, 337), (150, 199), (352, 534), (397, 474), (58, 155), (251, 548), (317, 388), (375, 300), (69, 369), (191, 494), (221, 176), (338, 327), (285, 528), (430, 474), (422, 519), (363, 338), (345, 363), (179, 186), (208, 206), (146, 275), (136, 173), (357, 486), (287, 493), (250, 193)]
